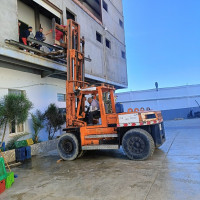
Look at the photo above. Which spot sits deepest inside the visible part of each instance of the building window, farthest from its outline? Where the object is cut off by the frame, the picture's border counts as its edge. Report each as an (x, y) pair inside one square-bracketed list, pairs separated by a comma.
[(17, 92), (121, 23), (99, 37), (105, 6), (14, 127), (61, 97), (93, 6), (108, 44), (70, 15), (123, 55)]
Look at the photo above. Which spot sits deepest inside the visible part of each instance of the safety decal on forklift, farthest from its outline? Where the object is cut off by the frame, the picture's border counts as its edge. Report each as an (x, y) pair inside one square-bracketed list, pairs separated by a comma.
[(129, 118), (139, 123)]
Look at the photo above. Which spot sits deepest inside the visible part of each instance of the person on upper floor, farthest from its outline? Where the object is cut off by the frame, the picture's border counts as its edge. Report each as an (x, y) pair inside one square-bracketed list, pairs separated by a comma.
[(25, 34)]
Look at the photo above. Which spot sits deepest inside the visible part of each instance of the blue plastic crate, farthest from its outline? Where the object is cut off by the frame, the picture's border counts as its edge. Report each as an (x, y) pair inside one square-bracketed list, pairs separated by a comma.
[(28, 152), (20, 154), (3, 147)]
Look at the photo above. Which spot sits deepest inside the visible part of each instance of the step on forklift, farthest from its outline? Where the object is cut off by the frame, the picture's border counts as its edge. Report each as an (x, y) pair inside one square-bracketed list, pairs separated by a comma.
[(139, 132)]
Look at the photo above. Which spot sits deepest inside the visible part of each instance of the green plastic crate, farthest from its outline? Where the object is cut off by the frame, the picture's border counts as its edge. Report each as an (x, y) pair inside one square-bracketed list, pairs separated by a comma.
[(10, 180), (3, 173), (22, 143)]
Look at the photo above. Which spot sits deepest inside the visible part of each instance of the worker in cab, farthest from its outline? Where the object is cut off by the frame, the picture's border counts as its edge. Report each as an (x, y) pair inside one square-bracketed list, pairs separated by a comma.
[(93, 110)]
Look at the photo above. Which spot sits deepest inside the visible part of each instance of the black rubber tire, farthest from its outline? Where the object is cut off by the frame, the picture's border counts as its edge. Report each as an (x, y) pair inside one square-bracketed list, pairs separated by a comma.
[(138, 144), (81, 153), (68, 147)]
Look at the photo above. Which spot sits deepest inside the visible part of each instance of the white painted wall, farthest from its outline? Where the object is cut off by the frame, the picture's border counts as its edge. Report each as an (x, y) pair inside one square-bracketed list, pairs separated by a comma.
[(26, 14), (40, 91), (46, 24), (107, 65)]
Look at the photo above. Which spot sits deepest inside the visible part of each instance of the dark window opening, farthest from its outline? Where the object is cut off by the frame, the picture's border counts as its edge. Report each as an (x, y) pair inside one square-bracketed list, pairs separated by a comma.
[(105, 6), (121, 23), (99, 37), (70, 15), (94, 6), (108, 44), (23, 26), (123, 55)]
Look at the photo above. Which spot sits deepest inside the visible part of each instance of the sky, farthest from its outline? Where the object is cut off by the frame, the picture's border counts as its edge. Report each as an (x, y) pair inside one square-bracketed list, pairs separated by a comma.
[(162, 43)]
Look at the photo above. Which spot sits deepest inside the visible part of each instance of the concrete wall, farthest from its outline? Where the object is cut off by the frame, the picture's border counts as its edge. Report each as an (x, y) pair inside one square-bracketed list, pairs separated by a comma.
[(107, 64), (26, 14), (40, 91), (8, 20), (175, 102)]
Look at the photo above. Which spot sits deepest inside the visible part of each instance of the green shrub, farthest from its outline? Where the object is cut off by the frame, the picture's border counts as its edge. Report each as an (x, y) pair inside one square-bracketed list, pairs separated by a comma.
[(53, 120)]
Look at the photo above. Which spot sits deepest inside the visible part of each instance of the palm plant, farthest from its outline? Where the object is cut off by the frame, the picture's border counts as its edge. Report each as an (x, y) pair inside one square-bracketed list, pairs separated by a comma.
[(37, 119), (13, 108)]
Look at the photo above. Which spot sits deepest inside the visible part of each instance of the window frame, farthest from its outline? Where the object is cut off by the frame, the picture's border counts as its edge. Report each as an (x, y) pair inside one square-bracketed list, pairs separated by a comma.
[(64, 100), (15, 91), (69, 11), (123, 54), (105, 6), (98, 34), (121, 23), (109, 42)]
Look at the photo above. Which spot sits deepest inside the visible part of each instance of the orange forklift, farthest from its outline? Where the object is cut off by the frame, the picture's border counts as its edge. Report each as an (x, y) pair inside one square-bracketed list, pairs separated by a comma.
[(139, 132)]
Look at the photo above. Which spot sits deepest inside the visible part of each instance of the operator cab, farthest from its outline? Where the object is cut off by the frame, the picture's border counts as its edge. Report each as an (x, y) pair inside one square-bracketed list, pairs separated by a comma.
[(104, 95)]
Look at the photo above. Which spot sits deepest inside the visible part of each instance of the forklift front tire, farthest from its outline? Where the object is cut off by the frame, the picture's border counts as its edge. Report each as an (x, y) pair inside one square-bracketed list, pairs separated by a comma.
[(138, 144), (68, 147)]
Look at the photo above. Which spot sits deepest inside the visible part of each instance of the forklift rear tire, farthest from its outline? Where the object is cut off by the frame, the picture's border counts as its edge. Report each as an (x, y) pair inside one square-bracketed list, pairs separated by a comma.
[(138, 144), (81, 153), (68, 147)]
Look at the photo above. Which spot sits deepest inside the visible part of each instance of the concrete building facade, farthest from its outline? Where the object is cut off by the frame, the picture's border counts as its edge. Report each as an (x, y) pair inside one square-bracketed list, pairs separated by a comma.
[(43, 80), (174, 102)]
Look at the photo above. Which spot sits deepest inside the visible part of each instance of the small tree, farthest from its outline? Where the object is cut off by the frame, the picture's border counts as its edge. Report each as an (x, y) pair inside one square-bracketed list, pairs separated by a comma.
[(37, 119), (15, 108), (54, 120)]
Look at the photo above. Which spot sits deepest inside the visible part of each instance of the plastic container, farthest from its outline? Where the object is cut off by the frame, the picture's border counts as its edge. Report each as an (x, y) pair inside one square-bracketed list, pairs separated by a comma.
[(28, 152), (19, 144), (20, 154), (3, 148), (30, 142), (2, 186), (119, 108), (3, 173), (10, 180)]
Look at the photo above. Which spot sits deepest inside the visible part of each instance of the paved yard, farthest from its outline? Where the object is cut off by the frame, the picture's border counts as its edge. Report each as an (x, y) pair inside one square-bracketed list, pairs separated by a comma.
[(173, 173)]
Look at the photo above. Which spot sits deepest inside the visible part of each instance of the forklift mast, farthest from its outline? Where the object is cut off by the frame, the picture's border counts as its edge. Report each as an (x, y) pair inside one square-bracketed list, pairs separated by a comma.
[(75, 71)]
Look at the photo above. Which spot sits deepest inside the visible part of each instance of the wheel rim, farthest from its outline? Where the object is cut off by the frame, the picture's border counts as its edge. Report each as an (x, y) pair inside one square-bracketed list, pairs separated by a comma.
[(67, 146), (136, 145)]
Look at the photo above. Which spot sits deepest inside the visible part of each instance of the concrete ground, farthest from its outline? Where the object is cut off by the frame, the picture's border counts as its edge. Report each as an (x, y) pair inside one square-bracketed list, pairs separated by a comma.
[(173, 173)]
